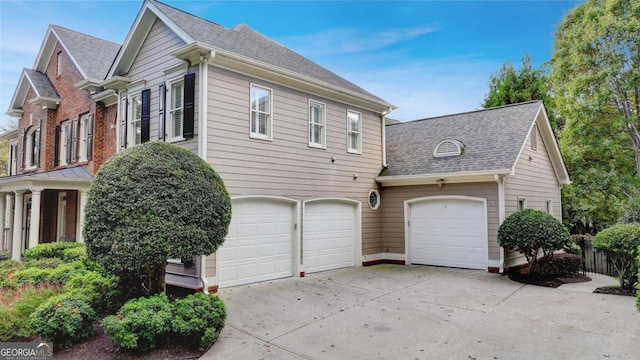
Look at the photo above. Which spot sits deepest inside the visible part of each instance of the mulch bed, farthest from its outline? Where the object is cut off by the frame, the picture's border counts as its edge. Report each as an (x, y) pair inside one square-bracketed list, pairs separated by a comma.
[(545, 281), (614, 291)]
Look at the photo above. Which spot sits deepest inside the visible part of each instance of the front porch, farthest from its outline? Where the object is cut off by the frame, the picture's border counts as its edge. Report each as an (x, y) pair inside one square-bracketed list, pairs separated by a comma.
[(42, 207)]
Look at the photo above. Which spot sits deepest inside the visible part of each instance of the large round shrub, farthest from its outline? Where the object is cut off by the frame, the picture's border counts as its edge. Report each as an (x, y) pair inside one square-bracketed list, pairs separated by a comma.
[(63, 319), (620, 242), (529, 231), (149, 203)]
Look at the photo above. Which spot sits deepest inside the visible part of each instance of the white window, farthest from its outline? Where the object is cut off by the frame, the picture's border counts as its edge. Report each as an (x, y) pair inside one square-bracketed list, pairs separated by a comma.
[(84, 136), (176, 110), (134, 132), (317, 123), (522, 204), (13, 163), (32, 147), (550, 206), (354, 130), (65, 142), (261, 117), (59, 64)]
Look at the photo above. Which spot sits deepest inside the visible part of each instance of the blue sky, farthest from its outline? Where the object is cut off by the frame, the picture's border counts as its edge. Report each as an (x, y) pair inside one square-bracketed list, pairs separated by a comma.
[(426, 57)]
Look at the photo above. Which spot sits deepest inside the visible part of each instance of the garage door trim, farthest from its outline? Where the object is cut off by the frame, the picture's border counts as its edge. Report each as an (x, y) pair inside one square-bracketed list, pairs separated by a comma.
[(295, 234), (407, 217), (357, 225)]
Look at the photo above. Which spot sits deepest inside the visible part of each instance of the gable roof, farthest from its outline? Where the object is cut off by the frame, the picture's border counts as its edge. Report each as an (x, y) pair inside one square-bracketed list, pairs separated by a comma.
[(240, 42), (493, 141), (41, 84), (92, 56)]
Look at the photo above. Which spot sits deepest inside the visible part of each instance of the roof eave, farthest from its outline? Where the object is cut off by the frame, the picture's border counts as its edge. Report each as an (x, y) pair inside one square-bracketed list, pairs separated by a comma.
[(11, 134), (91, 85), (31, 182), (259, 69), (442, 178), (108, 97), (116, 83), (45, 102)]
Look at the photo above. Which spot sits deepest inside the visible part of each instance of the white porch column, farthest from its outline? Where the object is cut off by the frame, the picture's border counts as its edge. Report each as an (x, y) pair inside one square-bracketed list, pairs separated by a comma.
[(34, 226), (11, 203), (81, 205), (3, 205), (16, 251)]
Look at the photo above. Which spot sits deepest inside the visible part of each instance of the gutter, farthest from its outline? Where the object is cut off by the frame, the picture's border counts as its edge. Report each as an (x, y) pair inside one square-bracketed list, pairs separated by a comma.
[(203, 274)]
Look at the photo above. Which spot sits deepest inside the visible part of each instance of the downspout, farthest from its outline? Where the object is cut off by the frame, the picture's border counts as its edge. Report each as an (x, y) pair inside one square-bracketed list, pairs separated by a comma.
[(501, 214), (383, 117), (202, 140)]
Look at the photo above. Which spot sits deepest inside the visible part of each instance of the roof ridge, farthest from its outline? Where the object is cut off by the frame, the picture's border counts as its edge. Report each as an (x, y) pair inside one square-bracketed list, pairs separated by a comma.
[(470, 112), (83, 34), (187, 13)]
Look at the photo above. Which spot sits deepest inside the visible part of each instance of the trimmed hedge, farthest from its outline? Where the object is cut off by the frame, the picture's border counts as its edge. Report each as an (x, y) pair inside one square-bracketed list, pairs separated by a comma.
[(101, 292), (529, 231), (561, 264), (50, 250), (150, 203), (198, 317), (64, 320), (621, 243)]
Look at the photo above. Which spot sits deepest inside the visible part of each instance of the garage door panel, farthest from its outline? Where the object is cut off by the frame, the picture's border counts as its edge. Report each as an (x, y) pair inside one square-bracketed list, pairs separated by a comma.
[(259, 245), (329, 235), (449, 232)]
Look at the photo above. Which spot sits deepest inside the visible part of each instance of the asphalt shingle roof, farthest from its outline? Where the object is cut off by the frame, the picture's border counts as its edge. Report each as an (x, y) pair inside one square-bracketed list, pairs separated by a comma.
[(93, 55), (243, 40), (41, 84), (492, 138)]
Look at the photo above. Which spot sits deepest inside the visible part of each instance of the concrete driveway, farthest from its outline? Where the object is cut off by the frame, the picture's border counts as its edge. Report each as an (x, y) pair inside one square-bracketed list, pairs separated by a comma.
[(421, 312)]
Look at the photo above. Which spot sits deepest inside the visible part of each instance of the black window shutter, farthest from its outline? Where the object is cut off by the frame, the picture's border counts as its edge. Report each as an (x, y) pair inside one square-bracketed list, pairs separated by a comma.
[(123, 123), (146, 116), (21, 148), (67, 135), (189, 98), (89, 126), (161, 119), (74, 140), (56, 147)]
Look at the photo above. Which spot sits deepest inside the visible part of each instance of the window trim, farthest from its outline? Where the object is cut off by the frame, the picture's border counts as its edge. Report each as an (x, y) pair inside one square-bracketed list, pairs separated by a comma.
[(348, 132), (269, 126), (131, 135), (30, 145), (523, 201), (168, 108), (65, 130), (84, 137), (323, 133)]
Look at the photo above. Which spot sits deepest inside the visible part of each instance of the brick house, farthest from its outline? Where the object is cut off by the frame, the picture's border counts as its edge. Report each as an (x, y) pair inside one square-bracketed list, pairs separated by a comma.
[(65, 131)]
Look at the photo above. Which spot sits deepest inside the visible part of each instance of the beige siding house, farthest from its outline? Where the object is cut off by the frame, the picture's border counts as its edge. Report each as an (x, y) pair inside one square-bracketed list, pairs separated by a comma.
[(297, 146), (452, 180)]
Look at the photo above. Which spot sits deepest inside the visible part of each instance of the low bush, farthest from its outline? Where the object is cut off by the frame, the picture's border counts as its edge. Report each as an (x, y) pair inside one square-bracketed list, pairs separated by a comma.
[(101, 292), (63, 319), (621, 243), (5, 255), (49, 250), (198, 317), (75, 254), (31, 275), (50, 263), (15, 307), (529, 231), (61, 274), (561, 264), (140, 323), (57, 275), (7, 269)]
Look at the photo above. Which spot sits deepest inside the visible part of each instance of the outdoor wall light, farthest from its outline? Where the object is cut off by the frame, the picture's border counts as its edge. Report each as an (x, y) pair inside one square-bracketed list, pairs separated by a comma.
[(440, 182)]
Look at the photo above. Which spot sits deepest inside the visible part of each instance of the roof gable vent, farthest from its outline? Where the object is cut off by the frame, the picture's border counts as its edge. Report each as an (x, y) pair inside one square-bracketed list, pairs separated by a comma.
[(449, 147)]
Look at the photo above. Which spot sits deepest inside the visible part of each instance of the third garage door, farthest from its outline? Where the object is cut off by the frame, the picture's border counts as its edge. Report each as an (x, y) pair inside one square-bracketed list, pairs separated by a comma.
[(449, 232), (329, 235)]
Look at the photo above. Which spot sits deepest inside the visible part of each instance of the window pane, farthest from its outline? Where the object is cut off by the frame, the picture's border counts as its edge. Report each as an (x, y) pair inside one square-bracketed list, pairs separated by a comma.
[(177, 123), (137, 107), (177, 90), (137, 130), (262, 123), (317, 132)]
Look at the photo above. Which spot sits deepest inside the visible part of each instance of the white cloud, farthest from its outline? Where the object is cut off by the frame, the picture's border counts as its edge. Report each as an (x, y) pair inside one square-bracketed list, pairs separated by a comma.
[(349, 40)]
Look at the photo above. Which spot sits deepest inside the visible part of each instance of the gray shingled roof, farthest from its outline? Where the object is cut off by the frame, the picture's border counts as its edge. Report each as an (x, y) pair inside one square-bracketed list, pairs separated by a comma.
[(41, 84), (492, 138), (75, 173), (242, 40), (93, 55)]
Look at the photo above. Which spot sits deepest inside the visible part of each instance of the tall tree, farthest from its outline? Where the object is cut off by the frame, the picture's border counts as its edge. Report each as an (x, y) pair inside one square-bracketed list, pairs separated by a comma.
[(510, 86), (596, 65)]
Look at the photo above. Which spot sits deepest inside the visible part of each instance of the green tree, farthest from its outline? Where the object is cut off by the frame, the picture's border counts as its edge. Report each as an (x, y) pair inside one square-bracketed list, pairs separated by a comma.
[(596, 66), (150, 203), (595, 80), (511, 86)]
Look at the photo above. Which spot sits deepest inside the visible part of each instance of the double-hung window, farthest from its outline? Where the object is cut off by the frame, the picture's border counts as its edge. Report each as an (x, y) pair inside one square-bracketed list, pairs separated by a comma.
[(135, 120), (354, 132), (176, 110), (33, 147), (261, 112), (86, 131), (317, 123), (65, 142)]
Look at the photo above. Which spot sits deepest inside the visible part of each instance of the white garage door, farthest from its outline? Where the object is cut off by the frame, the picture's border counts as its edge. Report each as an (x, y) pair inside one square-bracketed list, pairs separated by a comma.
[(259, 245), (449, 232), (329, 235)]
